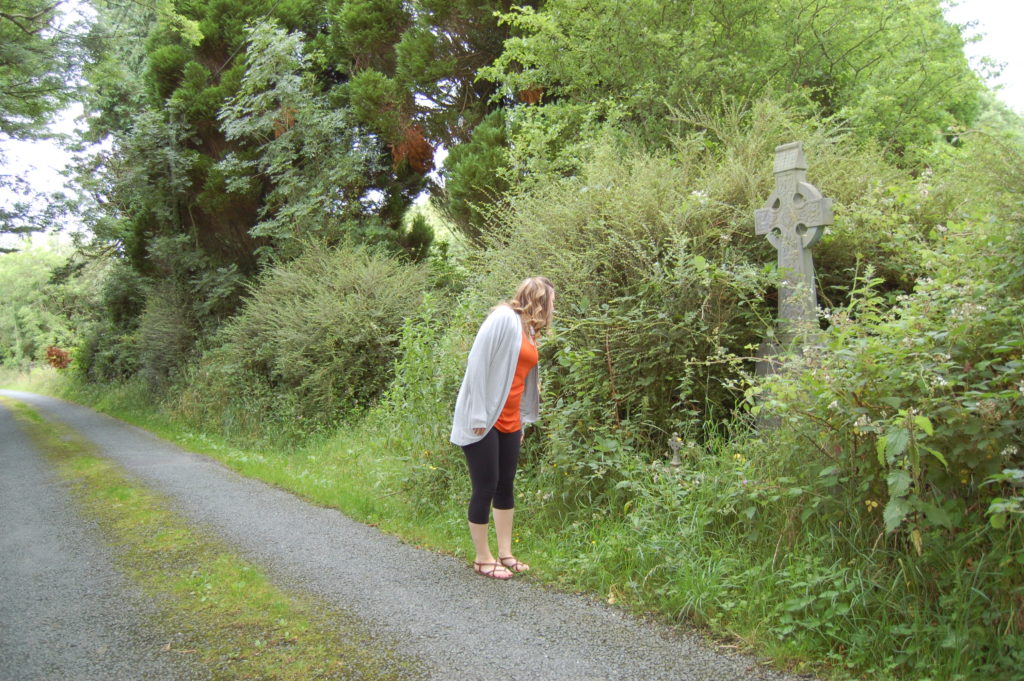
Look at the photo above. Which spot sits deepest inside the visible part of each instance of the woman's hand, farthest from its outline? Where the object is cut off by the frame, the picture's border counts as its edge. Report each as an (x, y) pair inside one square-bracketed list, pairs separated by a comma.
[(479, 431)]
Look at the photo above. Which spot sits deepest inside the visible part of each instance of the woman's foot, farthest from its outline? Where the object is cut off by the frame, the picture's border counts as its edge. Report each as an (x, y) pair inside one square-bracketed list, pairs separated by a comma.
[(492, 570), (514, 564)]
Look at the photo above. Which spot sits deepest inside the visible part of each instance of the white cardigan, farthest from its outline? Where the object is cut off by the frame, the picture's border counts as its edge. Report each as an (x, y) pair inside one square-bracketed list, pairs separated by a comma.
[(488, 380)]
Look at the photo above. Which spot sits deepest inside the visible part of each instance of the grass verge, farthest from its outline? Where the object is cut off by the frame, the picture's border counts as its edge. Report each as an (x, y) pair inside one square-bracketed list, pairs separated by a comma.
[(230, 616)]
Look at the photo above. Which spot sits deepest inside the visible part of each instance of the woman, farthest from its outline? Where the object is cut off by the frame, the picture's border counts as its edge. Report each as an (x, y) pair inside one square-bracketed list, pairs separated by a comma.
[(499, 395)]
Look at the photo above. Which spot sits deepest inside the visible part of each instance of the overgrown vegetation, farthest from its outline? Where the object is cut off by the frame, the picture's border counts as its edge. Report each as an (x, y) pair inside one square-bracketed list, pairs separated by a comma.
[(313, 343), (254, 275)]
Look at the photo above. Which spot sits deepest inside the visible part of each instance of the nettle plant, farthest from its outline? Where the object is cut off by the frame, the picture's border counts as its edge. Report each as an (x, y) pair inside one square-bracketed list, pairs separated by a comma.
[(922, 403)]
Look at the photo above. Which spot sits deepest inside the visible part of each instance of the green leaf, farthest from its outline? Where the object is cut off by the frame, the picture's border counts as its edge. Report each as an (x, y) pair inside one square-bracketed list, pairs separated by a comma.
[(938, 455), (899, 483), (998, 520), (937, 515), (923, 423), (896, 443), (895, 511)]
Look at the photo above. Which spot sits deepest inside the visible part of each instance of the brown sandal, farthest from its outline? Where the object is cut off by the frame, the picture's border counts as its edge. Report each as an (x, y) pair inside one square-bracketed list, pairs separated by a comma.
[(479, 569), (515, 566)]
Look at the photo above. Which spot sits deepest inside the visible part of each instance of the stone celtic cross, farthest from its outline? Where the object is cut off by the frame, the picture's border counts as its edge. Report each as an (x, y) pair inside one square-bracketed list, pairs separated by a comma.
[(794, 219)]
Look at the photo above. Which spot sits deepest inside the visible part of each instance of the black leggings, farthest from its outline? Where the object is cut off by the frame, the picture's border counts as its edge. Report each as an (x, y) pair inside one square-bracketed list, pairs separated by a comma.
[(492, 468)]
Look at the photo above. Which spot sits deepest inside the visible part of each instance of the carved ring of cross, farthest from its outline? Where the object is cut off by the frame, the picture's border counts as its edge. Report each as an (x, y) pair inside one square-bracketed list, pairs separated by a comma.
[(796, 206)]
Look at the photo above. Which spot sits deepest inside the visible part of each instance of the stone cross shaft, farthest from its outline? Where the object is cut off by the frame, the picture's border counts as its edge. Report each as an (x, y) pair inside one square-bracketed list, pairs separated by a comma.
[(794, 219)]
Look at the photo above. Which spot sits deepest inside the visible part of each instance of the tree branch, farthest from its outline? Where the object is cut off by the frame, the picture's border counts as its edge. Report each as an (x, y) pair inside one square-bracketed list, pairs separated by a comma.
[(30, 18)]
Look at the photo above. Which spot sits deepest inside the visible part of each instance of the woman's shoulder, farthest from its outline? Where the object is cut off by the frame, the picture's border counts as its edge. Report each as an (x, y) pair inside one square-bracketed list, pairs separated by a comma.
[(505, 310), (502, 316)]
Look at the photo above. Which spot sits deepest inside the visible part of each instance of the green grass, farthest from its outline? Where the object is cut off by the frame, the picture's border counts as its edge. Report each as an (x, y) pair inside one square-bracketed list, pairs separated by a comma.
[(232, 618)]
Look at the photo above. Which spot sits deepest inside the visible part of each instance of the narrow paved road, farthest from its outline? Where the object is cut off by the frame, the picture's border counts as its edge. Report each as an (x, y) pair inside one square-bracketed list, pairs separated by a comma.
[(430, 606), (65, 612)]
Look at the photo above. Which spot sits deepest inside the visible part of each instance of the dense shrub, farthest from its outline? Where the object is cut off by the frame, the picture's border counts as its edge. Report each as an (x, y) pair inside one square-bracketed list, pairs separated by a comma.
[(317, 338), (109, 350), (166, 334), (107, 353)]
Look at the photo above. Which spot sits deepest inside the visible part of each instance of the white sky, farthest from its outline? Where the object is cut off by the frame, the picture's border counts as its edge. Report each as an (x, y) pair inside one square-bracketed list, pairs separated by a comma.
[(998, 23)]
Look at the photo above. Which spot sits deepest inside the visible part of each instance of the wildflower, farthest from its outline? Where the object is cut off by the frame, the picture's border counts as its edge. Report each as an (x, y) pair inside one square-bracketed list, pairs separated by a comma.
[(863, 421), (871, 504), (1009, 452)]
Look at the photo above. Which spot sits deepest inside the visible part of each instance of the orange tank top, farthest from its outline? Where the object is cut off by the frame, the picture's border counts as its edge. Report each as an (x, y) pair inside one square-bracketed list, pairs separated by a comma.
[(509, 421)]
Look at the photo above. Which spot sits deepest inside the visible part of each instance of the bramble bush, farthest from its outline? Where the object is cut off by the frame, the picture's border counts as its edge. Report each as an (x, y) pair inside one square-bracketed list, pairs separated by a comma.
[(628, 353), (908, 424)]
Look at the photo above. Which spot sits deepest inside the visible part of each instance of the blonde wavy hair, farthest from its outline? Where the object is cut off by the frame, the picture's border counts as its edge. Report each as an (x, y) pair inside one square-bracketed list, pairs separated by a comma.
[(534, 302)]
